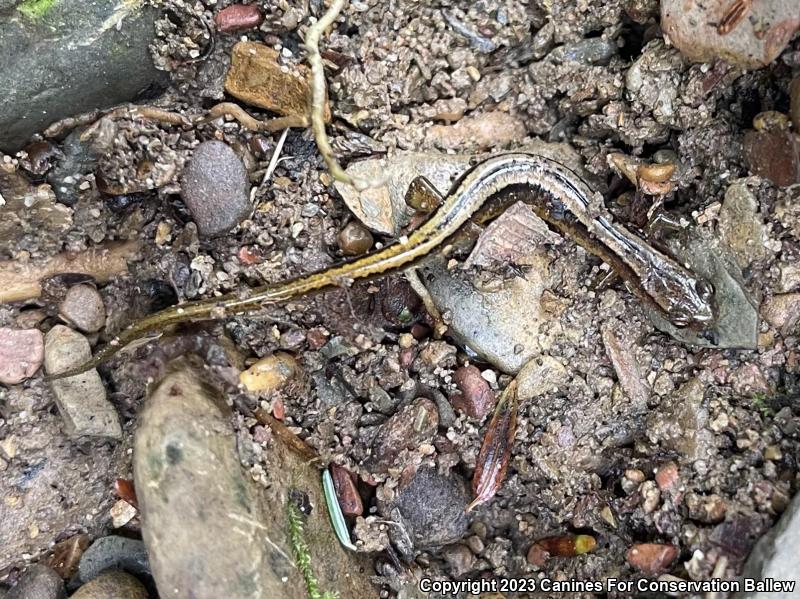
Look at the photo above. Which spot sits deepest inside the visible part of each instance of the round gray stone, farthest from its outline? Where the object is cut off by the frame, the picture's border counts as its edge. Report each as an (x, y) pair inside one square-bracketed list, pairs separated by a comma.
[(431, 508), (216, 189), (114, 553)]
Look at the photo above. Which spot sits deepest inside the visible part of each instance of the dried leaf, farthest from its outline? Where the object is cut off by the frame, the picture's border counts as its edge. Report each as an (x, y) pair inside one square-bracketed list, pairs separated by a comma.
[(67, 554), (125, 490), (292, 441), (495, 453)]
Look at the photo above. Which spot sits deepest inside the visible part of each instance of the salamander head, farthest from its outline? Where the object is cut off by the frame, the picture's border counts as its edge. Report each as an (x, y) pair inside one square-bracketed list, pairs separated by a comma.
[(694, 306)]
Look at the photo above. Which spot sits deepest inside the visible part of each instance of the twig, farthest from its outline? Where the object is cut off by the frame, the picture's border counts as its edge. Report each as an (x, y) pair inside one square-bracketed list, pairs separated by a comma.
[(250, 122), (273, 162), (318, 95), (21, 280), (71, 122), (439, 325)]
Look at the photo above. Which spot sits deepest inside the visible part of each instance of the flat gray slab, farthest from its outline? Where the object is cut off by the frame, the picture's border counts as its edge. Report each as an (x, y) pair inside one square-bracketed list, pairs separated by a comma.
[(67, 57)]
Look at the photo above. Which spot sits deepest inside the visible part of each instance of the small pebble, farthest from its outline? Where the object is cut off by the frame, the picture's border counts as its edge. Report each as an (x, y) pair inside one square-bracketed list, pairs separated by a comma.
[(477, 398), (491, 129), (794, 103), (316, 338), (431, 507), (782, 311), (651, 558), (270, 373), (407, 429), (772, 155), (346, 491), (216, 188), (772, 453), (21, 354), (112, 585), (651, 496), (38, 582), (770, 120), (667, 476), (537, 556), (40, 156), (594, 50), (701, 31), (122, 512), (708, 509), (83, 308), (258, 76), (355, 239), (438, 354), (81, 399), (655, 173), (238, 17), (459, 558), (249, 255)]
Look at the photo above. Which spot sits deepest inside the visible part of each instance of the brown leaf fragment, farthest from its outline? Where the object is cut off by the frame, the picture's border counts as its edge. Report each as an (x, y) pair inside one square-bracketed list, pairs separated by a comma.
[(495, 453), (282, 432), (124, 489), (67, 554)]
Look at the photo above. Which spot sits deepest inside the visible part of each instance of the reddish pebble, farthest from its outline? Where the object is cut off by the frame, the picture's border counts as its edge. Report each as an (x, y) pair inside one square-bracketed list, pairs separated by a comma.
[(407, 357), (652, 558), (773, 155), (476, 398), (278, 409), (346, 491), (238, 17), (537, 556), (249, 255), (316, 338), (21, 354), (667, 476), (420, 331)]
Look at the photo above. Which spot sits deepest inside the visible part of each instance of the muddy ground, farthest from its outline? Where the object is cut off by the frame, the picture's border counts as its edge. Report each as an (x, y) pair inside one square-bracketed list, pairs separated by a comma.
[(720, 427)]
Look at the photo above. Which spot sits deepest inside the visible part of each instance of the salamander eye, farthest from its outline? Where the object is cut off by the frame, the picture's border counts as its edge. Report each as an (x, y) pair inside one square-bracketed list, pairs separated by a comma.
[(704, 289)]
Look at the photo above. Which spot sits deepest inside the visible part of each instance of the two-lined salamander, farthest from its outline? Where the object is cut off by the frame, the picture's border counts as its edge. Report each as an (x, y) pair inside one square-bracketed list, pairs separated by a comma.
[(556, 194)]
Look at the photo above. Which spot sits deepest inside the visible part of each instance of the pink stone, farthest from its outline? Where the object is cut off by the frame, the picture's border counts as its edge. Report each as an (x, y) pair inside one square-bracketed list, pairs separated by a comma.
[(21, 354)]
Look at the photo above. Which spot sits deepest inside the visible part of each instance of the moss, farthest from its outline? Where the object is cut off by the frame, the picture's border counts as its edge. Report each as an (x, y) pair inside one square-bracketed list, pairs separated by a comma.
[(302, 555), (36, 9), (760, 402)]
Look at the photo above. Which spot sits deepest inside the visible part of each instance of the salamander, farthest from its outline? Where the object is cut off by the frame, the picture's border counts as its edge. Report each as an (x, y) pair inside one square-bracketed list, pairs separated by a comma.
[(556, 194)]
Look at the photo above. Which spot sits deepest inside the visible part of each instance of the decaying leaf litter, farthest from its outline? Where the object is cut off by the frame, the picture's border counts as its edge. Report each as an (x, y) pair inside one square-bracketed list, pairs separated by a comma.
[(625, 435)]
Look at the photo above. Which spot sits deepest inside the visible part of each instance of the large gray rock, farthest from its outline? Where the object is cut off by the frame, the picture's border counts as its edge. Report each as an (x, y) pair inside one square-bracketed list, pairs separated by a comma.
[(775, 555), (63, 57), (39, 582), (210, 531)]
